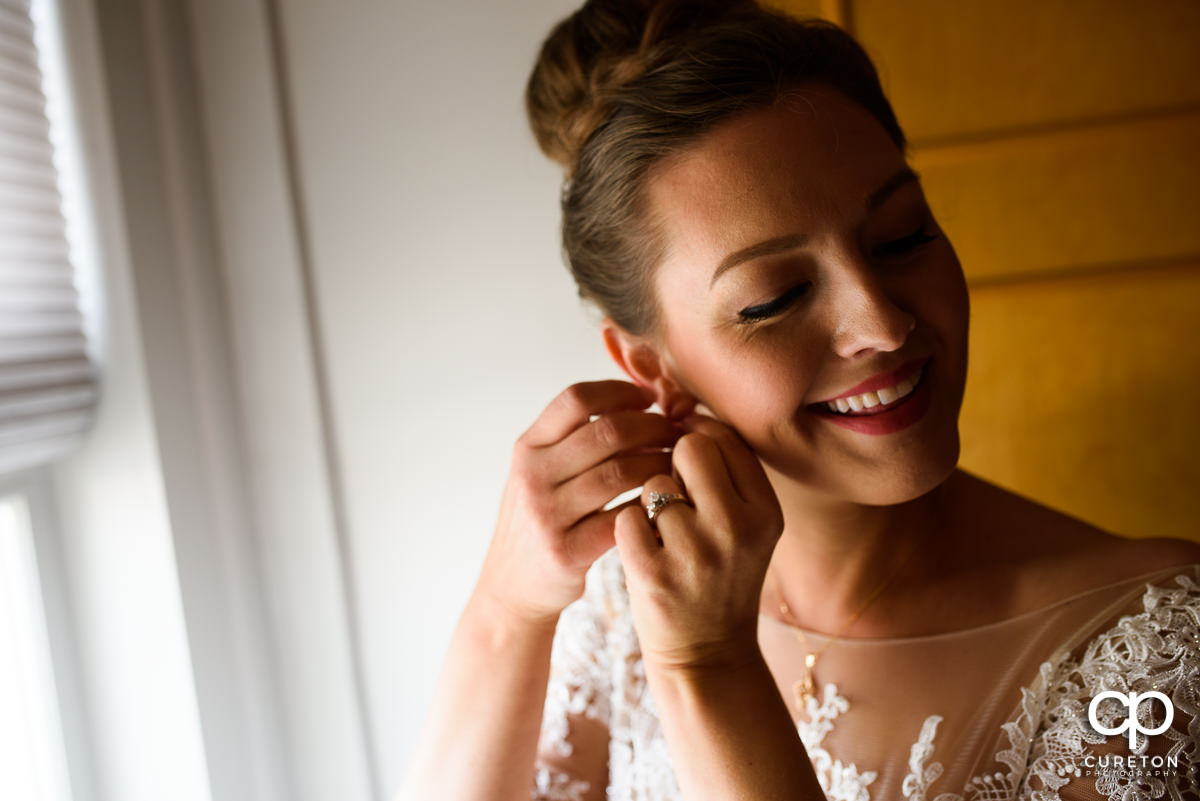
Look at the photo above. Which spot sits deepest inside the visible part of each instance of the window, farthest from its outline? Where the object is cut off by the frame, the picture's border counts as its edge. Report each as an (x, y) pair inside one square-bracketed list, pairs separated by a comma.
[(47, 386), (47, 381), (33, 766)]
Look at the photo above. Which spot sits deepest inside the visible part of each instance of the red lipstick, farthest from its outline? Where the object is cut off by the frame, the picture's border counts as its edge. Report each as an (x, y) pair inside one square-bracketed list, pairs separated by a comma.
[(897, 416), (888, 379)]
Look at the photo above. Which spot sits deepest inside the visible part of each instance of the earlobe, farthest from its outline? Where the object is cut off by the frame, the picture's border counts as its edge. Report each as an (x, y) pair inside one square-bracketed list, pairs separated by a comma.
[(642, 363)]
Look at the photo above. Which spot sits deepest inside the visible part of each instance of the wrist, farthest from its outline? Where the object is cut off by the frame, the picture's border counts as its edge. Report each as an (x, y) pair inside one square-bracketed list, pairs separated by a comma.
[(504, 613), (714, 663)]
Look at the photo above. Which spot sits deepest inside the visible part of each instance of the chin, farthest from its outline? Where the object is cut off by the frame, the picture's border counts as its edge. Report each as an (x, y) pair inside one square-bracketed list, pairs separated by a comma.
[(905, 476), (903, 488), (912, 479)]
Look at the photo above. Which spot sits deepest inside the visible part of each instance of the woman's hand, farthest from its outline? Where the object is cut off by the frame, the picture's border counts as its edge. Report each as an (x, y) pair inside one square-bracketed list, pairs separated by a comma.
[(695, 584), (565, 468)]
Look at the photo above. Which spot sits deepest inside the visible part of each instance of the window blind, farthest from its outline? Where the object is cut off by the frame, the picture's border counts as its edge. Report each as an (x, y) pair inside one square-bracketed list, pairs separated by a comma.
[(47, 383)]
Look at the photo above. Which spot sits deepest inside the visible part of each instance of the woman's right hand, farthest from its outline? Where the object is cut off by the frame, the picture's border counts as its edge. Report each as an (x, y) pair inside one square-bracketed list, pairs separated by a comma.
[(565, 468)]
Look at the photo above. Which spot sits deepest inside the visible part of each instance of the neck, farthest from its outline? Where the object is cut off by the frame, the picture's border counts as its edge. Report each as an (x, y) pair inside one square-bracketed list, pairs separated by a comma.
[(832, 557)]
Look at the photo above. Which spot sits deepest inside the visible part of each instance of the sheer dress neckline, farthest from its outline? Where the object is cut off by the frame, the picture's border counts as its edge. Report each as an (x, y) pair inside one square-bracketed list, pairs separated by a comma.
[(993, 625)]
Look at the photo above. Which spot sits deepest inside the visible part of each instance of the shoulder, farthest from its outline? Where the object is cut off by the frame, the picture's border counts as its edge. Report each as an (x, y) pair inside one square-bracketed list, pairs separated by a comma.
[(1108, 558), (1099, 559), (1045, 555)]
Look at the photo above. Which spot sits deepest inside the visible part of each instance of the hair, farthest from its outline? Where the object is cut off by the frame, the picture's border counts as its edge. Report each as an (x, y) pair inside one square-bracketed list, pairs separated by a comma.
[(621, 84)]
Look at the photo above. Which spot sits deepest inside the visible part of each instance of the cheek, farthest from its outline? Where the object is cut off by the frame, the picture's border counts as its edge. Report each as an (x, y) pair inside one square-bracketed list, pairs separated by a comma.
[(752, 385), (939, 296)]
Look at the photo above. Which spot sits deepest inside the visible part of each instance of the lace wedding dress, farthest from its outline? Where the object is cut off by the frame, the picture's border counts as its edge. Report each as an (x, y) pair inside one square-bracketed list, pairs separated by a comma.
[(994, 712)]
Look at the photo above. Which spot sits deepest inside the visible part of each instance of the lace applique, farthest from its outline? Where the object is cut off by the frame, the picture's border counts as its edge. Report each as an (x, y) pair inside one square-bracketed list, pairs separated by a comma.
[(840, 782), (1158, 649), (553, 785), (579, 680), (1049, 742), (920, 778)]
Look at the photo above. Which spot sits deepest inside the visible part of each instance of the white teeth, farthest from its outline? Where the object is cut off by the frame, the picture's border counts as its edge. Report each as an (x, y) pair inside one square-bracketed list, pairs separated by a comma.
[(868, 400)]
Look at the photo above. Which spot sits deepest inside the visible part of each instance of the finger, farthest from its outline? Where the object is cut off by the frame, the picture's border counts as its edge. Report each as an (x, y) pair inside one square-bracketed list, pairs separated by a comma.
[(675, 521), (609, 434), (592, 536), (704, 472), (589, 491), (746, 474), (575, 405), (637, 542)]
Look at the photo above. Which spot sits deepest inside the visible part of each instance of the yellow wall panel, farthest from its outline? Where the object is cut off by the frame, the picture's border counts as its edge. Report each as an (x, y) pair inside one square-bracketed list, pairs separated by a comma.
[(802, 9), (1084, 393), (954, 67), (1106, 194)]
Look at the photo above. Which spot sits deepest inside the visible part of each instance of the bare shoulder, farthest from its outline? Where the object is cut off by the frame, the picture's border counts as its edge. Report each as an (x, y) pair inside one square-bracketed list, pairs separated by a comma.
[(1129, 557), (1048, 555)]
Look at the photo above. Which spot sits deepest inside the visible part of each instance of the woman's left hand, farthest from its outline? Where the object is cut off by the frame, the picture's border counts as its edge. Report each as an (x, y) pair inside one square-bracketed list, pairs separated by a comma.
[(696, 583)]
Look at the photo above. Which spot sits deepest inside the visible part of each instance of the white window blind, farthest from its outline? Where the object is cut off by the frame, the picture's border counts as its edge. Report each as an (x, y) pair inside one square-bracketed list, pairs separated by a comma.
[(47, 383)]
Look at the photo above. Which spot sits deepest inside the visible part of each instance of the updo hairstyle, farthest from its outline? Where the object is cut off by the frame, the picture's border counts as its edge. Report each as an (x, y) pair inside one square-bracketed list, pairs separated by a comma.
[(620, 84)]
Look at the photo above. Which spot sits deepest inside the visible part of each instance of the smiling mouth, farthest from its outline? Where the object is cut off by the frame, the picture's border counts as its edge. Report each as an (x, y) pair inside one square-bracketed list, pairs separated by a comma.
[(870, 403)]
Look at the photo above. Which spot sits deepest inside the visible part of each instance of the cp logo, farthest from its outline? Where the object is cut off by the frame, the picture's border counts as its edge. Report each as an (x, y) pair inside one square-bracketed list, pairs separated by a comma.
[(1132, 701)]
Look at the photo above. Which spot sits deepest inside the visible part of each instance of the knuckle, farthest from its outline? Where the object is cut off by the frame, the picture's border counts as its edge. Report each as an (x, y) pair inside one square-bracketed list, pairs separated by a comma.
[(607, 431), (525, 463), (573, 398), (691, 445), (541, 515), (521, 448), (614, 473)]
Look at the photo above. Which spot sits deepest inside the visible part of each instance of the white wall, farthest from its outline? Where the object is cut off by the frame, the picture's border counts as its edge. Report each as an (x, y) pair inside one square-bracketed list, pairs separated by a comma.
[(399, 307), (335, 298)]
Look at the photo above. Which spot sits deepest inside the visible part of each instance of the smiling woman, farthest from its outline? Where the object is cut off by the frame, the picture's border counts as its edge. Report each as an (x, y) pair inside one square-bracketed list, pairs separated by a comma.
[(823, 604)]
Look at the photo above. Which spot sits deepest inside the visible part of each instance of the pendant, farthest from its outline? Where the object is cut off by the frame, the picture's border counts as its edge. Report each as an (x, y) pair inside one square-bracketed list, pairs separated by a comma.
[(805, 688)]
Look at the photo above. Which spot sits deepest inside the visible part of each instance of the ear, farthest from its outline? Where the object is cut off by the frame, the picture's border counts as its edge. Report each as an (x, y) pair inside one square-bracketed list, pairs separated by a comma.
[(646, 366)]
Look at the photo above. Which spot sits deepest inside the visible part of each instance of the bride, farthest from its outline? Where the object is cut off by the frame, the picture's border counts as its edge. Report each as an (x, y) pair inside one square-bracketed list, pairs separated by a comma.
[(806, 558)]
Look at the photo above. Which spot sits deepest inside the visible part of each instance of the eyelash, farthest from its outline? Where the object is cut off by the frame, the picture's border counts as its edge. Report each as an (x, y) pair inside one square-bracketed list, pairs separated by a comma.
[(752, 314), (897, 247)]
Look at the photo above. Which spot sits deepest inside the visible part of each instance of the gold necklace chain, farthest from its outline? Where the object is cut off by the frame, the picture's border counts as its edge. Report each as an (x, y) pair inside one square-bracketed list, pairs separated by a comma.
[(805, 687)]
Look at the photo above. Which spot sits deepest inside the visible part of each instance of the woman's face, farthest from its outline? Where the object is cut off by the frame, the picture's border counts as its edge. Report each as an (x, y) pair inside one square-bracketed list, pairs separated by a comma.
[(803, 266)]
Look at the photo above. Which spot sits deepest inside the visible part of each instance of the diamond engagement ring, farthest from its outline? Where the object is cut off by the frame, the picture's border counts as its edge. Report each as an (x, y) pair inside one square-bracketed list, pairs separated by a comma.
[(661, 500)]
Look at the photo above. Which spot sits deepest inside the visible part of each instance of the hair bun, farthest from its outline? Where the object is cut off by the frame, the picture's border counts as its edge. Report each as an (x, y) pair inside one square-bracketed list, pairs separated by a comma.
[(592, 54)]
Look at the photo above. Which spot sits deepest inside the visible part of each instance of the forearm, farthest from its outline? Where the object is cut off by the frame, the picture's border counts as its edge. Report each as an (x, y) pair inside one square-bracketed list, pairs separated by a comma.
[(480, 738), (730, 735)]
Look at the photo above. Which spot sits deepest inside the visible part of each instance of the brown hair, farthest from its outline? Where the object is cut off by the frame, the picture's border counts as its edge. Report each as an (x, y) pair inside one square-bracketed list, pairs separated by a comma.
[(620, 84)]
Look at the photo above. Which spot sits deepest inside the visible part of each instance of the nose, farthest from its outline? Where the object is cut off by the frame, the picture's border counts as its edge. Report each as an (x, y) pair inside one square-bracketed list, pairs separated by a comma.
[(866, 317)]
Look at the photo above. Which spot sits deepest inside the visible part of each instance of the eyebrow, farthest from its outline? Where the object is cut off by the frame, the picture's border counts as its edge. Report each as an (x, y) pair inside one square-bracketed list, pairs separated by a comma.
[(782, 244)]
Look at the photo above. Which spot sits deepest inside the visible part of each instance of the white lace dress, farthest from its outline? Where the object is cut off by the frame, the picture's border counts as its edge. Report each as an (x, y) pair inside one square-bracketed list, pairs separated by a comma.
[(994, 712)]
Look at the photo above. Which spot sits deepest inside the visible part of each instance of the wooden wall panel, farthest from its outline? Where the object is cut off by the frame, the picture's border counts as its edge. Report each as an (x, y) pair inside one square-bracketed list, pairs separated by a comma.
[(1056, 140), (1083, 393), (955, 68), (827, 9), (1112, 194)]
